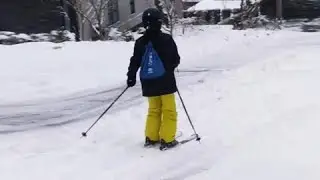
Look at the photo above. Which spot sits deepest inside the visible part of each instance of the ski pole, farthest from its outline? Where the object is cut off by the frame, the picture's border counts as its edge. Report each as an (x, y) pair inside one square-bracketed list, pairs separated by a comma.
[(84, 134), (185, 109)]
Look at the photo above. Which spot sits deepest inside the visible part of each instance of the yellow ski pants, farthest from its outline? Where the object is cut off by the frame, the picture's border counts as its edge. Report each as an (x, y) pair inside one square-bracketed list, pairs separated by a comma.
[(162, 118)]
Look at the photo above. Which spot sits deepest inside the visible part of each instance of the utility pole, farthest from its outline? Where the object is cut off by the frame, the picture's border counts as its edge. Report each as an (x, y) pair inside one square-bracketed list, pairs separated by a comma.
[(279, 9)]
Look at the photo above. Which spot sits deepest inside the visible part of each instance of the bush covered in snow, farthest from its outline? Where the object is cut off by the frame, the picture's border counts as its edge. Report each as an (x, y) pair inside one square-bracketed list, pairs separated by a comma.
[(304, 25), (10, 38), (250, 17), (116, 35), (257, 22)]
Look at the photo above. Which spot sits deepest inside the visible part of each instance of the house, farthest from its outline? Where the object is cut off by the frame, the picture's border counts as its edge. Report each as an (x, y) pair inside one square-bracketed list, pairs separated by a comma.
[(43, 16), (130, 11), (124, 14), (189, 3)]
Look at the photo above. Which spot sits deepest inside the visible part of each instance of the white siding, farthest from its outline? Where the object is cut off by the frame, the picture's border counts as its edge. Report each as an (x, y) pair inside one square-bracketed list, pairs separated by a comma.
[(128, 20), (85, 31)]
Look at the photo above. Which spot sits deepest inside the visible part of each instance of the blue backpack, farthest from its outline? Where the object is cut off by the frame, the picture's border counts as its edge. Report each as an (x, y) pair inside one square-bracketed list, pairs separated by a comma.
[(151, 64)]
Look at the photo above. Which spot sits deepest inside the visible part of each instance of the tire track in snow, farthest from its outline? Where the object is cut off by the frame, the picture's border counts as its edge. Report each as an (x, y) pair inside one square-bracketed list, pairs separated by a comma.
[(60, 111), (81, 106)]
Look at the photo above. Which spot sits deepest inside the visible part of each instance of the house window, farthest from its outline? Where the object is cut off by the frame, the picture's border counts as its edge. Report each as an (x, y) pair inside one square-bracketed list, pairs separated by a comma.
[(132, 7)]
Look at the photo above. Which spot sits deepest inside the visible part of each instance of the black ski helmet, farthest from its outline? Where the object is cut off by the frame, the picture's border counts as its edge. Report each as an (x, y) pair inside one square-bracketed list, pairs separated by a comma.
[(152, 19)]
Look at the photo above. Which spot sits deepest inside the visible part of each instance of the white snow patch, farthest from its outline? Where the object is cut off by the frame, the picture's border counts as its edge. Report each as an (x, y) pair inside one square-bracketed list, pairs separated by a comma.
[(7, 33), (268, 119), (4, 37), (215, 4), (256, 109), (22, 36), (40, 70)]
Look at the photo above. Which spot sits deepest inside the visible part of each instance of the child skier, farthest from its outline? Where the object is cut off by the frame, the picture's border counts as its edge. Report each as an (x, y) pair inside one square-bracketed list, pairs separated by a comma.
[(156, 54)]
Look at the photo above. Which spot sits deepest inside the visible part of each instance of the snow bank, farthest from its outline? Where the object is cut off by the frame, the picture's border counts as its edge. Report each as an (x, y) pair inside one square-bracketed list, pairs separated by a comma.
[(10, 38)]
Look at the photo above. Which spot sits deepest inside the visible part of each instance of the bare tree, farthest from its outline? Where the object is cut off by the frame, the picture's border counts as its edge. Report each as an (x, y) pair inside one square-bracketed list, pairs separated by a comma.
[(94, 12), (169, 10), (149, 3)]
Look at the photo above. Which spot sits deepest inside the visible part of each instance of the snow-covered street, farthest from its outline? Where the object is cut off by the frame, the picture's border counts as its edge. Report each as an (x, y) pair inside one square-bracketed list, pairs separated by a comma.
[(253, 96)]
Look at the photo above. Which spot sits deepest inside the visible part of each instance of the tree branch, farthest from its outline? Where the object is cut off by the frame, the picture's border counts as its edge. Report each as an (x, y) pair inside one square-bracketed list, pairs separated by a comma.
[(78, 9)]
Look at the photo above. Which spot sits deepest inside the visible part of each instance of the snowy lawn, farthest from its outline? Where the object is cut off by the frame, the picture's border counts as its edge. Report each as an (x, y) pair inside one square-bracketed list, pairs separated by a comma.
[(43, 70), (253, 97)]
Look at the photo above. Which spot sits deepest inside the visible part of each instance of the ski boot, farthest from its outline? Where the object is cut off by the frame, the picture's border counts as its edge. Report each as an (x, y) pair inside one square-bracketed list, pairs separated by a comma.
[(164, 145), (150, 143)]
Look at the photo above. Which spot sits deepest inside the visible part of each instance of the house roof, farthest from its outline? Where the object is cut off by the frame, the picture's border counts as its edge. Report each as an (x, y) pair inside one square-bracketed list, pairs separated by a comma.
[(215, 4), (191, 0)]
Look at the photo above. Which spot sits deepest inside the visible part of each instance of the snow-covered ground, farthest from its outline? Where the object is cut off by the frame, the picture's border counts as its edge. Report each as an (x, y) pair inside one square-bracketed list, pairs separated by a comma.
[(253, 97)]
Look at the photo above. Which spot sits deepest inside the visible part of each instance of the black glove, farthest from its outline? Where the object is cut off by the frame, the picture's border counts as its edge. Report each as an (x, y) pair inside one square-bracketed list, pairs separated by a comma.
[(174, 67), (131, 82)]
